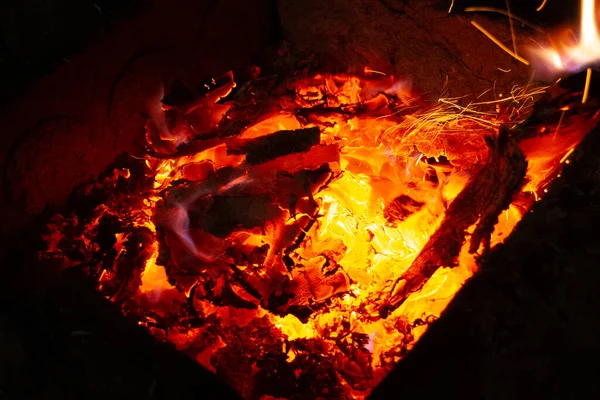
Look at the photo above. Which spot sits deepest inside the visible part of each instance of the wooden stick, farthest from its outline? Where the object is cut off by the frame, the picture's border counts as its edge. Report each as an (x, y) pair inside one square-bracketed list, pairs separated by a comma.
[(483, 199)]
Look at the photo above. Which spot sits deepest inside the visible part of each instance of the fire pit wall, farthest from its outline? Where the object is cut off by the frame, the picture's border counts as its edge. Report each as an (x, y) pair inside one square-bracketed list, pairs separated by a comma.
[(93, 107)]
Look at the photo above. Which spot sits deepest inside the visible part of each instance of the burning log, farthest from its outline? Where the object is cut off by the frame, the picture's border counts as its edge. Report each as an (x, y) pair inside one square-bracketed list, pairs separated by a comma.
[(310, 160), (269, 147), (222, 214), (483, 199)]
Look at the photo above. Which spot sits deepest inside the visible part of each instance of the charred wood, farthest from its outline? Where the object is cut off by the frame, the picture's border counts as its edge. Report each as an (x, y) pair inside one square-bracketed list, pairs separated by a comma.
[(481, 202), (269, 147)]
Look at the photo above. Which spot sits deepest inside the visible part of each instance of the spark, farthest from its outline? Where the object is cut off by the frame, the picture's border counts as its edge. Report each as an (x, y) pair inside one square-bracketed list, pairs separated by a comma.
[(504, 70), (419, 159), (566, 156), (372, 71), (483, 93), (500, 11), (512, 29), (586, 90), (499, 43), (562, 115), (541, 5), (451, 7)]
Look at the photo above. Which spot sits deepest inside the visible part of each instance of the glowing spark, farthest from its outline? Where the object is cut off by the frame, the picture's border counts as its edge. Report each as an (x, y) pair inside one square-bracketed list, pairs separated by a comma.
[(499, 11), (566, 156), (512, 29), (541, 5), (372, 71), (451, 7), (504, 70), (499, 43), (419, 159), (586, 90), (562, 115)]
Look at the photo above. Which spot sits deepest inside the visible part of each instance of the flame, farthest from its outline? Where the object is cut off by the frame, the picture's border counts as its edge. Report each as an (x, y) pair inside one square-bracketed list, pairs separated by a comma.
[(570, 54)]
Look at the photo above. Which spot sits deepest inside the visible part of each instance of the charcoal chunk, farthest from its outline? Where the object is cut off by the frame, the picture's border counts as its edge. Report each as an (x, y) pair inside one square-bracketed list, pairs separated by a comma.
[(269, 147)]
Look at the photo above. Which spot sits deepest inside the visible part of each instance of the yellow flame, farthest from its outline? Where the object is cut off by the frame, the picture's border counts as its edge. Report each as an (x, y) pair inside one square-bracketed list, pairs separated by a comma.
[(154, 277)]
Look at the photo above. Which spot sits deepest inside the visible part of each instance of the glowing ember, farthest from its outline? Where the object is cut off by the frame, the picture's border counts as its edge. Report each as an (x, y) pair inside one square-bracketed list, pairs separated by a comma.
[(266, 244), (572, 54)]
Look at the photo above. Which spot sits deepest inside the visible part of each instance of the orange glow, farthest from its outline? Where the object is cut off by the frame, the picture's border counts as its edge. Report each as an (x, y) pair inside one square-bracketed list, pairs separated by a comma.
[(326, 231), (381, 157)]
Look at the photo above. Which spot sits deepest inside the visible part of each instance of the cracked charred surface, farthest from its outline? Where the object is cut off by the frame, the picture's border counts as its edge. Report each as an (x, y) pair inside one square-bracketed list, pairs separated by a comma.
[(417, 40)]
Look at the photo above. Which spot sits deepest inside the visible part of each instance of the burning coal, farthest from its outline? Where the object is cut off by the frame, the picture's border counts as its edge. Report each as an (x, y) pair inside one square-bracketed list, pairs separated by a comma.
[(297, 234), (297, 237)]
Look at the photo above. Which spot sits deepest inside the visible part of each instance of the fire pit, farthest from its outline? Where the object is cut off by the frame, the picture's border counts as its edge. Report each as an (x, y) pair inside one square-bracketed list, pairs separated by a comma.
[(297, 233)]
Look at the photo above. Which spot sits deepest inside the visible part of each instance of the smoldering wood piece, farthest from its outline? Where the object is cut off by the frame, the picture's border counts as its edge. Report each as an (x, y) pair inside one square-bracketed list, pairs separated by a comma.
[(203, 142), (255, 100), (253, 206), (269, 147), (381, 102), (222, 136), (285, 189), (312, 159), (185, 193), (483, 199), (252, 104), (223, 214)]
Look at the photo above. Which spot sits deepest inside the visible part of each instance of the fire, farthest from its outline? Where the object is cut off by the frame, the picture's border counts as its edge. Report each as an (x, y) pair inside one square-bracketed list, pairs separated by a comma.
[(382, 159), (570, 54), (271, 241)]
